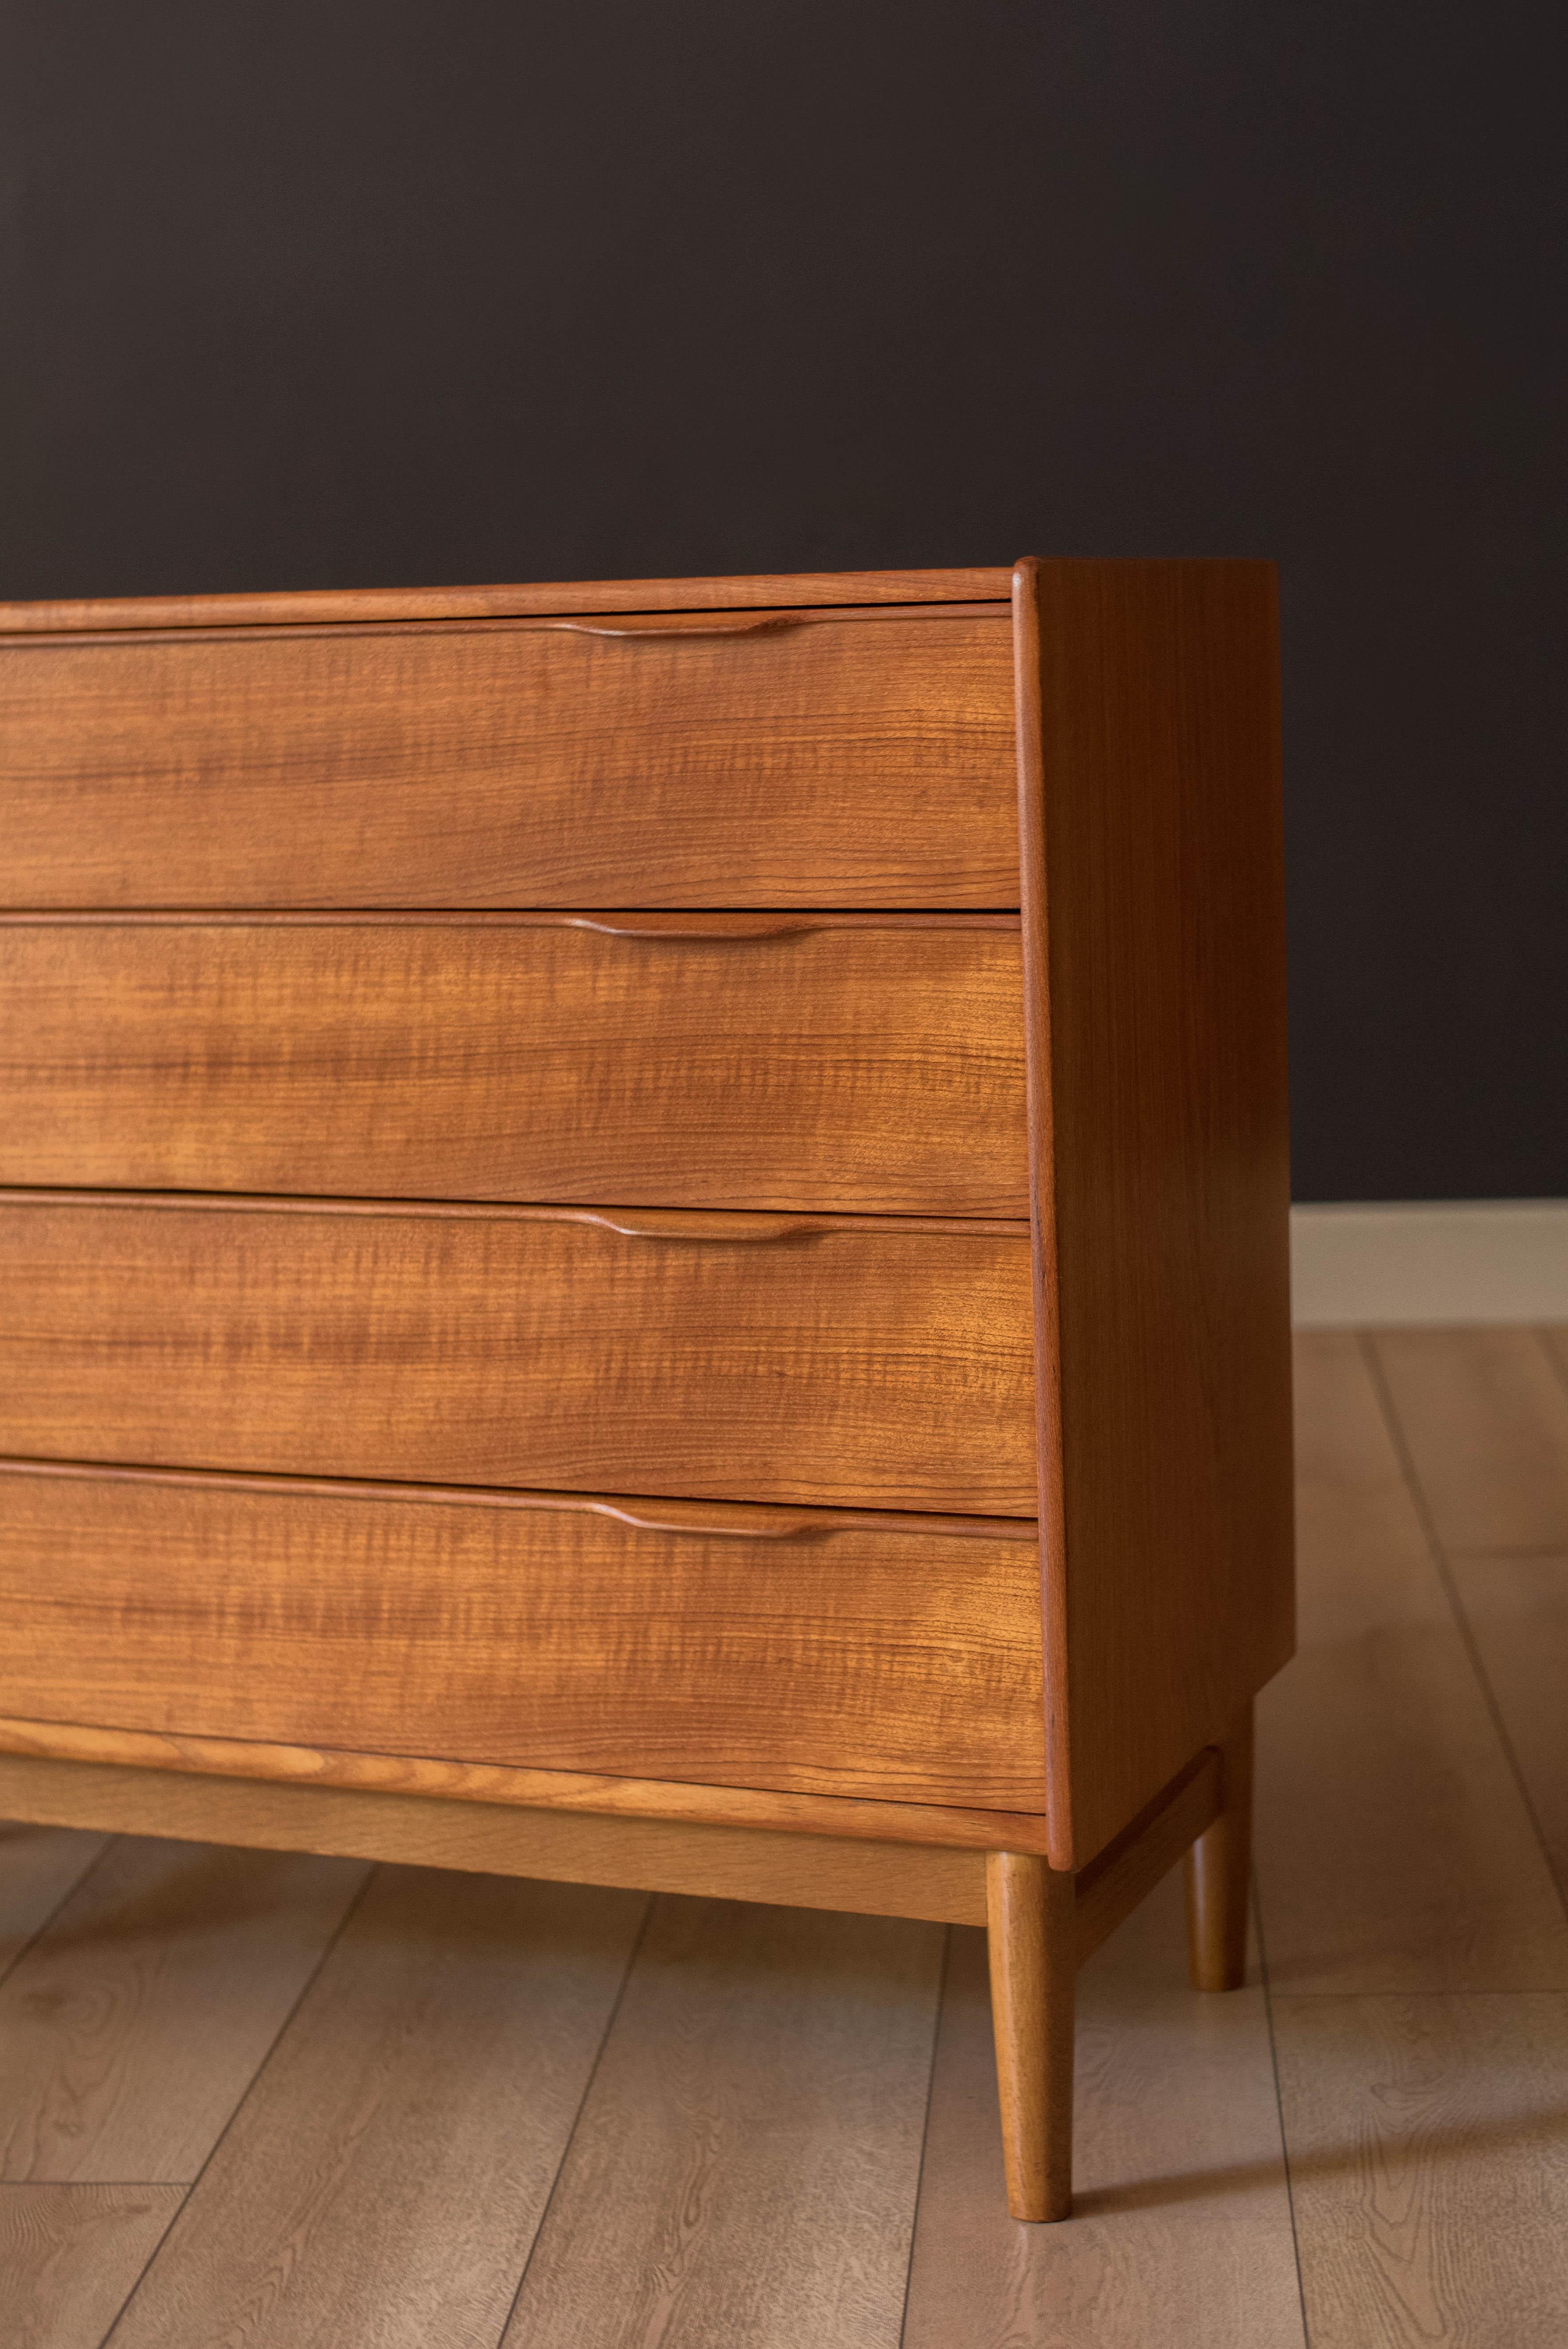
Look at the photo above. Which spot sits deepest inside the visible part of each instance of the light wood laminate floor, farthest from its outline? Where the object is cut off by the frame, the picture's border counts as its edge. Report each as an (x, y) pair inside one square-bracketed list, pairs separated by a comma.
[(251, 2102)]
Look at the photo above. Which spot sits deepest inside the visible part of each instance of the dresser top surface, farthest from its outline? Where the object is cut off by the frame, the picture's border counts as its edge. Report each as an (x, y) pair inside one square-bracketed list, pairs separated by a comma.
[(321, 606)]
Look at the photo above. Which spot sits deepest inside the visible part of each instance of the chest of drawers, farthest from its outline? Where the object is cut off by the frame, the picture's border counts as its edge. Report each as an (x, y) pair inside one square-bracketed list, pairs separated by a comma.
[(644, 1239)]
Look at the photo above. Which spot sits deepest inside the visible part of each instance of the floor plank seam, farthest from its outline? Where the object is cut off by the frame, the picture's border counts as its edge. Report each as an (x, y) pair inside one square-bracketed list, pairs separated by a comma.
[(925, 2128), (1440, 1558), (306, 1987), (174, 2217), (1508, 1551), (69, 1893), (110, 2186), (1547, 1340), (1257, 1909), (1351, 1997), (610, 2020)]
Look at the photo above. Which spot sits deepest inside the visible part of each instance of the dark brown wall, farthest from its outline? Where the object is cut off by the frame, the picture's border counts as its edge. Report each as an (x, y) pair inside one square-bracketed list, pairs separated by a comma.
[(368, 292)]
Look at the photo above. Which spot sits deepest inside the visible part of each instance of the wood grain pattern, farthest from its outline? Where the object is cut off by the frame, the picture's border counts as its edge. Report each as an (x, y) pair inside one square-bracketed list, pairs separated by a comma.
[(829, 760), (576, 1791), (1393, 1849), (1153, 941), (842, 1658), (1486, 1418), (70, 2255), (1429, 2167), (135, 2022), (55, 1772), (806, 1868), (319, 606), (38, 1867), (867, 1363), (745, 2165), (458, 2016), (1181, 2230), (687, 1061)]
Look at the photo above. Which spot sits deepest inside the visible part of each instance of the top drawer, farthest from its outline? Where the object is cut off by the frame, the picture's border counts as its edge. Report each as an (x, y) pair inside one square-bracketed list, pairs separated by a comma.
[(819, 758)]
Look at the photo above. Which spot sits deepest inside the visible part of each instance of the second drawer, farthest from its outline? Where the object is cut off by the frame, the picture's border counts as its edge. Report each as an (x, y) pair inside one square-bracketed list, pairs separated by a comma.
[(850, 1362), (684, 1060)]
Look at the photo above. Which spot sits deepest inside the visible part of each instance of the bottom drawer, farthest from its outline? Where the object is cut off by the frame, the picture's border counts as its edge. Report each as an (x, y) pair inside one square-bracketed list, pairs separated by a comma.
[(808, 1650)]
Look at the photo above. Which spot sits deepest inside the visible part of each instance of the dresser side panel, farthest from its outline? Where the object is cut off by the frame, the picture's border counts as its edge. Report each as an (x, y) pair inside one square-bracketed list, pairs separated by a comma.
[(1170, 1177)]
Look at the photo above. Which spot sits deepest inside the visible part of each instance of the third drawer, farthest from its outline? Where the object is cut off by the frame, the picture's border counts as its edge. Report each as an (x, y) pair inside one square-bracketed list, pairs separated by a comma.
[(850, 1362)]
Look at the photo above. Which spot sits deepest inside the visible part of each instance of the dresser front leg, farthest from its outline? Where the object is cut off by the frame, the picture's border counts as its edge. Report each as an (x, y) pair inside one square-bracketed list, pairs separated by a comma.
[(1033, 1958), (1218, 1867)]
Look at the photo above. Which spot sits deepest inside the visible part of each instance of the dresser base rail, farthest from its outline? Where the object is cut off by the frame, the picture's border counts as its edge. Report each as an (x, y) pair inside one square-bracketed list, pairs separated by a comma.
[(652, 1855), (690, 1802), (1042, 1922)]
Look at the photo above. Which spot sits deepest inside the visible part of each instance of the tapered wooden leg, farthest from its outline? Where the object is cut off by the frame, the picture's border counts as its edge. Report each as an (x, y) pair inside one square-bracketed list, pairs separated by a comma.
[(1218, 1866), (1033, 1958)]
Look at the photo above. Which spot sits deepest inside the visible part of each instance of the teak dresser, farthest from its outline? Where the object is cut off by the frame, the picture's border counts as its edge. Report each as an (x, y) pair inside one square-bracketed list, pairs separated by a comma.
[(643, 1240)]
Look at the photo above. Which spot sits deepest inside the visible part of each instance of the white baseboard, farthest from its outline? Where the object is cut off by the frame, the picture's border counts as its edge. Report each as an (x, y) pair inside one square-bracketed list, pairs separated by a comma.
[(1442, 1261)]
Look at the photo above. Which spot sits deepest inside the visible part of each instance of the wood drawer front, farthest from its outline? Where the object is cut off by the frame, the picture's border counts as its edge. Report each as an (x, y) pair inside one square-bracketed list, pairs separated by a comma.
[(765, 758), (852, 1063), (827, 1657), (816, 1360)]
